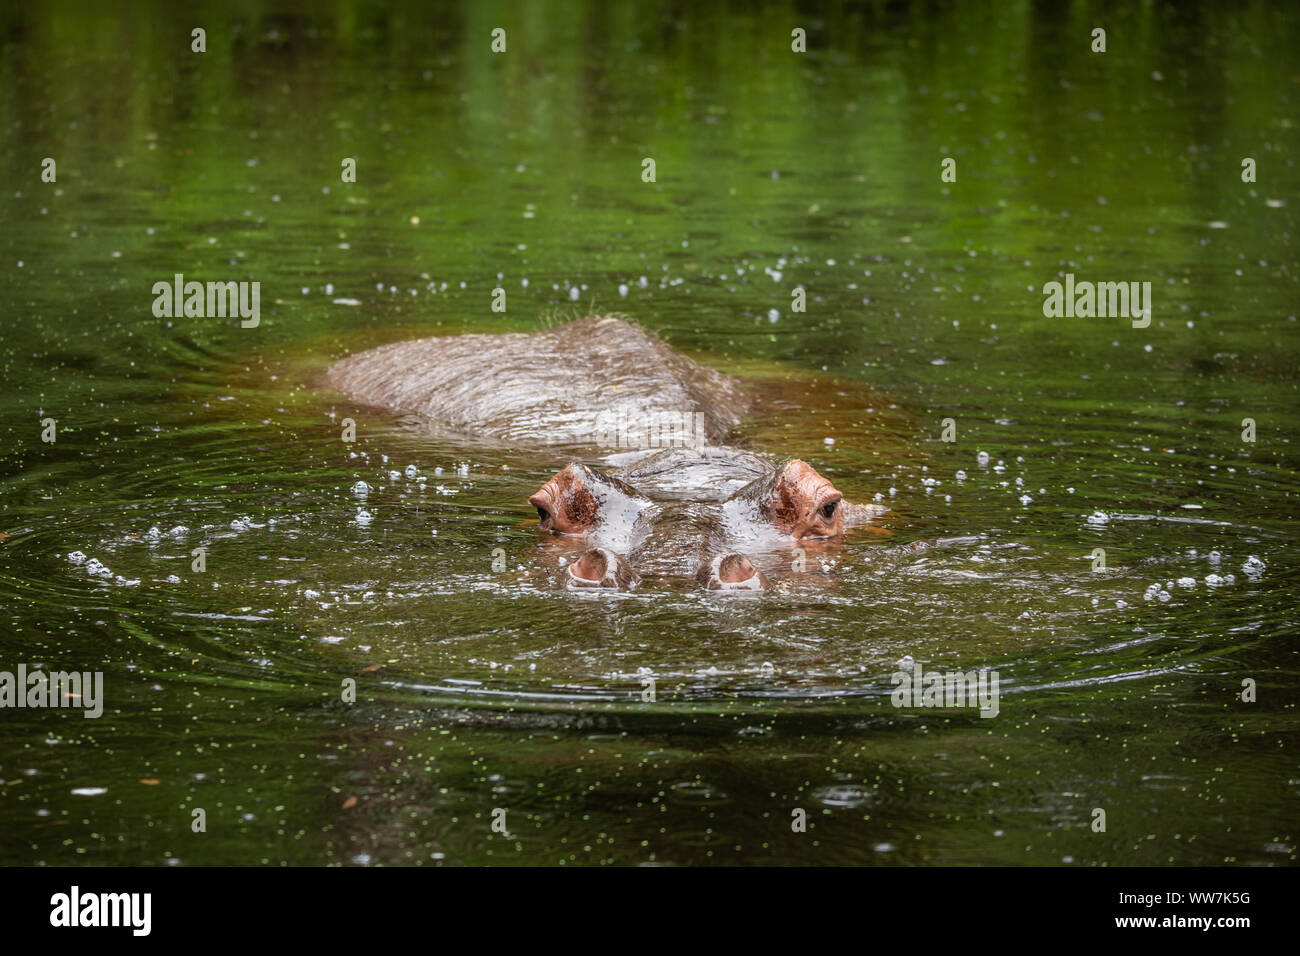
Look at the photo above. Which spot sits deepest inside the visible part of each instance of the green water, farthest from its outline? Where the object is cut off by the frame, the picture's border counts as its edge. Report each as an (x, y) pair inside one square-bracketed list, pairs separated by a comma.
[(480, 689)]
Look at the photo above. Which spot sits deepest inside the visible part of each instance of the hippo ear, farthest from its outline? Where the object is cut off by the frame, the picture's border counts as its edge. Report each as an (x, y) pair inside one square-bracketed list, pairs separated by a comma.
[(802, 503)]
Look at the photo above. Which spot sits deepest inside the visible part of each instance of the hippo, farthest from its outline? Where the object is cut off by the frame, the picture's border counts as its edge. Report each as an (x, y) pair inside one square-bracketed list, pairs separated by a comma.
[(691, 513), (725, 518)]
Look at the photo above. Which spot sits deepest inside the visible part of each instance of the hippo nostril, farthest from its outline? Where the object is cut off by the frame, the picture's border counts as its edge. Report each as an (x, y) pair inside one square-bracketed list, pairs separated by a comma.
[(732, 572), (734, 568), (601, 568), (590, 568), (542, 513)]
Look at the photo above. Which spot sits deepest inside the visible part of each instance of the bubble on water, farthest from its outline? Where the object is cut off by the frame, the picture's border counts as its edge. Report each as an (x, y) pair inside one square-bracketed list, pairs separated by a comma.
[(574, 293), (363, 517), (153, 534), (961, 476), (394, 476), (173, 579), (96, 567), (462, 470), (90, 791), (773, 315), (622, 288), (310, 594), (983, 459), (907, 662), (240, 524), (1187, 582), (1214, 557), (412, 471), (361, 489), (76, 557), (179, 531), (828, 441), (1254, 566), (1157, 590), (1214, 581), (1098, 517), (1025, 500)]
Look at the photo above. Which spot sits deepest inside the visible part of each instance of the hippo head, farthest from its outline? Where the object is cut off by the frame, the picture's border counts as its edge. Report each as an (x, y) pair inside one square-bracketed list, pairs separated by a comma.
[(688, 529)]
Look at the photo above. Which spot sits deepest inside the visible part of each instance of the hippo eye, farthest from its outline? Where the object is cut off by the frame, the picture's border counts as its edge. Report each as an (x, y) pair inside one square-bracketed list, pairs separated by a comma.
[(828, 510)]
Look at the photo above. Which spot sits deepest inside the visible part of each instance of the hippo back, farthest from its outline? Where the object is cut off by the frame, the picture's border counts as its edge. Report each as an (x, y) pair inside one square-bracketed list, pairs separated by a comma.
[(564, 386)]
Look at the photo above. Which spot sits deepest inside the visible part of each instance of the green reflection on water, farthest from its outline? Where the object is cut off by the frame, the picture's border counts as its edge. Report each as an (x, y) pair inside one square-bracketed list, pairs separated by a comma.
[(479, 690)]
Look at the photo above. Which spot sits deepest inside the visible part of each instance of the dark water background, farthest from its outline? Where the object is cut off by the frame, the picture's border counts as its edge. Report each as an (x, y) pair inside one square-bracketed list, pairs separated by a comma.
[(481, 689)]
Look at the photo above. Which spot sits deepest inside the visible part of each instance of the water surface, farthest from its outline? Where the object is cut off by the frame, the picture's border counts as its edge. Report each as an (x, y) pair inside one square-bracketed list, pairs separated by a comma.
[(481, 688)]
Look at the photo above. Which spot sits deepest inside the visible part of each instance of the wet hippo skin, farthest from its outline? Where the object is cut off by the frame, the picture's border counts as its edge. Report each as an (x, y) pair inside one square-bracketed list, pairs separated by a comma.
[(547, 387)]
